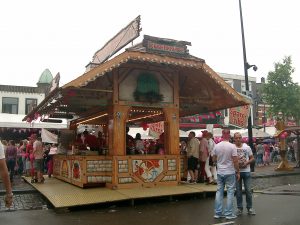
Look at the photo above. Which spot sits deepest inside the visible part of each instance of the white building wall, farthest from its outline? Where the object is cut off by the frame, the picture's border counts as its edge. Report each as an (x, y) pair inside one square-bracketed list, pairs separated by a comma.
[(22, 98)]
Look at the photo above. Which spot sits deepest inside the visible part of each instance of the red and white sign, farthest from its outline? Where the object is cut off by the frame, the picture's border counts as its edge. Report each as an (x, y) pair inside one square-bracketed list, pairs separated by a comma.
[(156, 129), (238, 116)]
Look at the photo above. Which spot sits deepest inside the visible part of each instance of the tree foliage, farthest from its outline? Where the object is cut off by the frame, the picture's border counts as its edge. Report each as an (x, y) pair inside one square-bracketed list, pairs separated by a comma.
[(280, 92)]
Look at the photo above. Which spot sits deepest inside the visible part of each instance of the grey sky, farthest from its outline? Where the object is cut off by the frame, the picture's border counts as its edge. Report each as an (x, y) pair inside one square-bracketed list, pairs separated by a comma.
[(63, 35)]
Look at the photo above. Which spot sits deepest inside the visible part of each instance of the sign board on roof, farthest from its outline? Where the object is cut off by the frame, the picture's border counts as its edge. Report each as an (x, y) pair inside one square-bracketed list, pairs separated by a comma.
[(166, 46), (238, 116), (121, 39)]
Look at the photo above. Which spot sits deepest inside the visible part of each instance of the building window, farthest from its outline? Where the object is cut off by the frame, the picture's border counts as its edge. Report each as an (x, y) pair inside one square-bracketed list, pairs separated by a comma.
[(10, 105), (30, 104)]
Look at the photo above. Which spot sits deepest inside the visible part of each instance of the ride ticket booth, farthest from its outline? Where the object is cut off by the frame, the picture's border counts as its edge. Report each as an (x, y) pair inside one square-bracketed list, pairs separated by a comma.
[(154, 81)]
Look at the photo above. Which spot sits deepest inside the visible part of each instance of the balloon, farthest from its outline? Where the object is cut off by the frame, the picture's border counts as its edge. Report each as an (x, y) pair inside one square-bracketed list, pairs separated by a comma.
[(282, 136)]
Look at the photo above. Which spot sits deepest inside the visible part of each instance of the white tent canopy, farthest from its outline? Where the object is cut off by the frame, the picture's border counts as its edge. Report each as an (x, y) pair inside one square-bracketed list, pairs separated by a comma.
[(145, 133), (269, 130), (217, 132), (48, 137), (256, 133), (15, 121)]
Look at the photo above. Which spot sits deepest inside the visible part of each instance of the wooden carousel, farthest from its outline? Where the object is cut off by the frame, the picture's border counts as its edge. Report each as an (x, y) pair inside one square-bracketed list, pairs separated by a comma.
[(156, 80)]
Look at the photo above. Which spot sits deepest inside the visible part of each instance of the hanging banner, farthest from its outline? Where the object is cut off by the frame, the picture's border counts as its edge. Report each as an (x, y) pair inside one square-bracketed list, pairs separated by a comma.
[(156, 129), (48, 137), (238, 116)]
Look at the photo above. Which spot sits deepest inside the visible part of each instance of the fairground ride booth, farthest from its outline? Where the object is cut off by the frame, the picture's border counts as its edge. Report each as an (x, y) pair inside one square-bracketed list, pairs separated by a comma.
[(156, 80)]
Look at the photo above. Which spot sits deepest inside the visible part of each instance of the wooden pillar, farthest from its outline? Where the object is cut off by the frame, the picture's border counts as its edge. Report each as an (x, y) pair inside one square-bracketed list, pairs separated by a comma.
[(172, 131), (117, 130)]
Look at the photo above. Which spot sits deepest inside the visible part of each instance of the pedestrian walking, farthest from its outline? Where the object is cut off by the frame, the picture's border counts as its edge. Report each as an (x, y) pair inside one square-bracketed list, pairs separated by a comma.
[(259, 155), (245, 158), (5, 178), (11, 158), (225, 155), (193, 156), (38, 159), (212, 166)]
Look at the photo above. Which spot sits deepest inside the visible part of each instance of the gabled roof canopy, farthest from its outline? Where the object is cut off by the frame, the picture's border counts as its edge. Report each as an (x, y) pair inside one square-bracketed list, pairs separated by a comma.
[(200, 88)]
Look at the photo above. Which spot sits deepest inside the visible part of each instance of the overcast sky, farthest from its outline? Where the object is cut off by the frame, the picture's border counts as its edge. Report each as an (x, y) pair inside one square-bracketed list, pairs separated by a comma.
[(63, 35)]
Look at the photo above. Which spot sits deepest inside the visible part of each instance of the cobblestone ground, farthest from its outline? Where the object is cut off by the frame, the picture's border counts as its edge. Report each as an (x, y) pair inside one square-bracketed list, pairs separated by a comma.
[(25, 202), (25, 196)]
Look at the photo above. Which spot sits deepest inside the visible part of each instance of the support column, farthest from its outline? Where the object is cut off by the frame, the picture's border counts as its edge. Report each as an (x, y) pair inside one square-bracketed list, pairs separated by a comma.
[(117, 131), (172, 131)]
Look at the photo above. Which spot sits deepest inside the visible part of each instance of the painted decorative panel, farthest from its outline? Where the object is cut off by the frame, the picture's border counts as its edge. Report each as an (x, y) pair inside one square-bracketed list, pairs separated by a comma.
[(76, 170), (99, 179), (65, 169), (147, 169), (129, 85), (172, 164), (126, 180), (99, 166), (123, 166), (169, 178)]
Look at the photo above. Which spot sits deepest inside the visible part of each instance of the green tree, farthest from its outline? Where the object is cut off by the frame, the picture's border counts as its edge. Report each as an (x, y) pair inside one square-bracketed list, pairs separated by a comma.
[(280, 92)]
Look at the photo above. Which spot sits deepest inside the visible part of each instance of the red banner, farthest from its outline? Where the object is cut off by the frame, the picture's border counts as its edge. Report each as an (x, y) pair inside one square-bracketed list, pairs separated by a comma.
[(238, 116)]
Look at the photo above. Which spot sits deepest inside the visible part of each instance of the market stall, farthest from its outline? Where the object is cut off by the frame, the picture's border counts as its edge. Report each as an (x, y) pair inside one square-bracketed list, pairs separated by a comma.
[(156, 80)]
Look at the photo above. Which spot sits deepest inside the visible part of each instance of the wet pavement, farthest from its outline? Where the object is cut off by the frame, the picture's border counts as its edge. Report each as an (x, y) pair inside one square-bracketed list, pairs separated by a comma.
[(270, 209), (25, 197), (264, 178)]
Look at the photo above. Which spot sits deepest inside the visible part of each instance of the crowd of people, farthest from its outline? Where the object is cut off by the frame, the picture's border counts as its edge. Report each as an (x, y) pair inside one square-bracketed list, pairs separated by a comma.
[(138, 146), (267, 153), (30, 157)]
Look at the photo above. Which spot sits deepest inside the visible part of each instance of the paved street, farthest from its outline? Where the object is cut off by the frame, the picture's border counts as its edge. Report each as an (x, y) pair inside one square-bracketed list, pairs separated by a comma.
[(271, 210), (25, 202), (274, 205), (25, 196)]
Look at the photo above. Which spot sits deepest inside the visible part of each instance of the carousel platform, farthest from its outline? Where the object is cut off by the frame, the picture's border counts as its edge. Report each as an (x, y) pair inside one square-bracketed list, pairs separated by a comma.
[(65, 195)]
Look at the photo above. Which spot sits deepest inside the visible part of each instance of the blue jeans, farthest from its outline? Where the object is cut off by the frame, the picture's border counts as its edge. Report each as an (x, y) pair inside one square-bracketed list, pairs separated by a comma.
[(229, 181), (259, 159), (11, 168), (246, 178)]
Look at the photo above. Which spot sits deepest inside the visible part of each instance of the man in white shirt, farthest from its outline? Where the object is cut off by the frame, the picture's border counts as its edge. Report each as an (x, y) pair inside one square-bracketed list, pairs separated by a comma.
[(5, 178), (245, 157), (38, 158), (225, 154)]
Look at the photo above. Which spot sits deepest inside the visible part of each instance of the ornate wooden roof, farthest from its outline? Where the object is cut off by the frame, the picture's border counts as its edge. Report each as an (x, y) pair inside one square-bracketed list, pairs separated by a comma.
[(201, 89)]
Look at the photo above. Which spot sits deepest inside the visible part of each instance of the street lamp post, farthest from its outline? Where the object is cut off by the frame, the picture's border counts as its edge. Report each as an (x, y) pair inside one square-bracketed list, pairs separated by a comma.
[(246, 67), (265, 119)]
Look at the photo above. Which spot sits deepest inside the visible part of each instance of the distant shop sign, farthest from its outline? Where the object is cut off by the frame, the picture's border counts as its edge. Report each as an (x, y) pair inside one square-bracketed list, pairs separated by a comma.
[(238, 116)]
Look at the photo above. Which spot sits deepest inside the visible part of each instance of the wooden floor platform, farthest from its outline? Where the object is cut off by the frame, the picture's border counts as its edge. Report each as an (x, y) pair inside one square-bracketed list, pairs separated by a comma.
[(64, 195)]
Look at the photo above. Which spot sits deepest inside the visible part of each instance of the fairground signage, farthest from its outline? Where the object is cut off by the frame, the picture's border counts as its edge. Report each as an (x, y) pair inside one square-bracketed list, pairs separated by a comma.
[(156, 129), (238, 116), (121, 39), (165, 46)]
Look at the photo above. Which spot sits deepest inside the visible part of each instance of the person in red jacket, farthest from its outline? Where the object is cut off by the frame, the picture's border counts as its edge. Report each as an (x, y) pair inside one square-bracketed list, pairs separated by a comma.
[(91, 141)]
